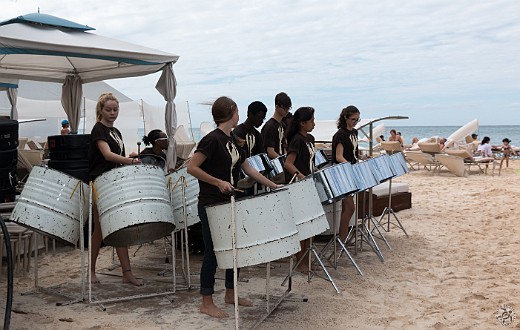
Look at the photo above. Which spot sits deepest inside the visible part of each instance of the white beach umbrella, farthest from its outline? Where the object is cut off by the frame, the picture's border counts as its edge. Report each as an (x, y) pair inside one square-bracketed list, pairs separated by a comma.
[(464, 131)]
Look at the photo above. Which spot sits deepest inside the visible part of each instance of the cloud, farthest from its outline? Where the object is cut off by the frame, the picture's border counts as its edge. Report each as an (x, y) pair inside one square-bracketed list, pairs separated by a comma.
[(439, 62)]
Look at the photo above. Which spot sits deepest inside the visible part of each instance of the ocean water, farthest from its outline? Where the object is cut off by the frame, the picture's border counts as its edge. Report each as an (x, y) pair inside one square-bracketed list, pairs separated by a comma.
[(495, 133)]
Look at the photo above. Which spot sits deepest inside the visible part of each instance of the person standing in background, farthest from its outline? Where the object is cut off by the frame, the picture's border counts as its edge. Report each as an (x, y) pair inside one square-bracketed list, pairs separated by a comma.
[(253, 143), (345, 149), (300, 163), (273, 132), (65, 127)]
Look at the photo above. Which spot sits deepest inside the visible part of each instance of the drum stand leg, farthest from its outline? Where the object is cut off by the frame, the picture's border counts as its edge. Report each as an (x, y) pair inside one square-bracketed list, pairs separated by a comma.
[(337, 240), (314, 250), (365, 232), (284, 297), (389, 211), (52, 290)]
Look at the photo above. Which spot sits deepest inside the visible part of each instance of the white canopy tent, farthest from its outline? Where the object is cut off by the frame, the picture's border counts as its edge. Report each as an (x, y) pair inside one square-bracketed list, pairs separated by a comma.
[(47, 48)]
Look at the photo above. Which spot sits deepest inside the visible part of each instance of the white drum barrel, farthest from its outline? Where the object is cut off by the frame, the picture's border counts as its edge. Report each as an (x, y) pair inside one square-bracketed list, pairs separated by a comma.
[(50, 204), (133, 205), (265, 229), (308, 213), (191, 194)]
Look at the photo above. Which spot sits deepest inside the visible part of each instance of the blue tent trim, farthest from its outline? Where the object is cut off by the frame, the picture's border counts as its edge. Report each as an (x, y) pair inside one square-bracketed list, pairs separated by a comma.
[(8, 85), (44, 19), (12, 50)]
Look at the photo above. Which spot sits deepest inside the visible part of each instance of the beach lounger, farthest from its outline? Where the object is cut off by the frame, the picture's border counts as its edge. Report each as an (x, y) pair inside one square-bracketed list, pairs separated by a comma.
[(482, 163), (431, 148), (454, 164), (391, 147), (422, 159)]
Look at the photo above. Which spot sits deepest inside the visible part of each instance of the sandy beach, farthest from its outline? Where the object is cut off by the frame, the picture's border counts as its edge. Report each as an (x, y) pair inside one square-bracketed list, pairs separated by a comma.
[(458, 266)]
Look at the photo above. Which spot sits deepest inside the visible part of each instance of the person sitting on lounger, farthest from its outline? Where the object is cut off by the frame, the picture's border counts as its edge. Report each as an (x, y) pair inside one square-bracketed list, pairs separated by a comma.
[(485, 147), (395, 137)]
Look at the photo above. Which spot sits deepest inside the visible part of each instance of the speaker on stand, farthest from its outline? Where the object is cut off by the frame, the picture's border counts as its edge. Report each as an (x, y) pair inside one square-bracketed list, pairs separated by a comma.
[(8, 159)]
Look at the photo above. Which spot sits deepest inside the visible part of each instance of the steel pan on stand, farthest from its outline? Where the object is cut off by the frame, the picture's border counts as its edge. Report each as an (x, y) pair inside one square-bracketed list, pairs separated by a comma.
[(263, 232), (133, 205), (190, 198), (55, 204), (50, 204), (381, 169), (277, 174), (184, 191), (335, 182), (308, 212)]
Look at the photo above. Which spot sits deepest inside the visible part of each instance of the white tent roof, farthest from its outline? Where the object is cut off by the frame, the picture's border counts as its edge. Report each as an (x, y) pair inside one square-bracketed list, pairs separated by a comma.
[(33, 51), (47, 48)]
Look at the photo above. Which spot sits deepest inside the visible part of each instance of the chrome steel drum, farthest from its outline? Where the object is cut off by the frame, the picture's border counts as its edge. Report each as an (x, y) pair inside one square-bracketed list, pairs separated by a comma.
[(306, 207), (380, 166), (134, 205), (50, 204), (265, 229), (398, 164), (335, 182), (191, 194), (277, 165), (363, 176), (320, 159), (259, 162)]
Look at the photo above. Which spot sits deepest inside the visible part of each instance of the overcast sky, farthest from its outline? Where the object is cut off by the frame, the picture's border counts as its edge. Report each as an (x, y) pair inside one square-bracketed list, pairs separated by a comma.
[(438, 62)]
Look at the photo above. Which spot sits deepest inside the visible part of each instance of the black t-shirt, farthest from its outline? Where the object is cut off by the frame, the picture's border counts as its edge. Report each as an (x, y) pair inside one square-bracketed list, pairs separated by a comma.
[(223, 160), (303, 147), (273, 135), (254, 144), (349, 140), (148, 156), (97, 164)]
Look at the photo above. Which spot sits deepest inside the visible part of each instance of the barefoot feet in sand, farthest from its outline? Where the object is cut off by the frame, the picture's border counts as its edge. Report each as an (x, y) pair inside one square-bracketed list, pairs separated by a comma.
[(128, 277)]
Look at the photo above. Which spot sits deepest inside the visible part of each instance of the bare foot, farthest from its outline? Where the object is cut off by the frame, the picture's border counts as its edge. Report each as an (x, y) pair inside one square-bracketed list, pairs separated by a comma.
[(213, 311), (241, 301), (128, 277), (93, 278)]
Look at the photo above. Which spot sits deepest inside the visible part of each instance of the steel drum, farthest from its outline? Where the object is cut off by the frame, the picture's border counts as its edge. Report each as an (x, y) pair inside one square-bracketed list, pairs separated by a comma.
[(260, 163), (306, 207), (277, 173), (335, 182), (265, 229), (50, 204), (320, 159), (363, 176), (398, 164), (134, 205), (191, 193), (381, 169)]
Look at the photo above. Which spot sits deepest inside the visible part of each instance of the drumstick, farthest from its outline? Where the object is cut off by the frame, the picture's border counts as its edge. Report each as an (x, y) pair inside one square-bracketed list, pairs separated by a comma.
[(295, 175), (138, 150)]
